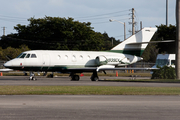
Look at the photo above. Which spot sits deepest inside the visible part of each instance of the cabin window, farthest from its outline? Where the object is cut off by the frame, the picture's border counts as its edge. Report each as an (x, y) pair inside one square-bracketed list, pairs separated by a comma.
[(74, 57), (66, 57), (28, 55), (81, 57), (59, 57), (33, 56), (88, 57)]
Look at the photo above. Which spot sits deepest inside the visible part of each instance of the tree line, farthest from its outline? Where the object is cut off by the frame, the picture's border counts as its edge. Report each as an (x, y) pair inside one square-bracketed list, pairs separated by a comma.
[(163, 33), (55, 33)]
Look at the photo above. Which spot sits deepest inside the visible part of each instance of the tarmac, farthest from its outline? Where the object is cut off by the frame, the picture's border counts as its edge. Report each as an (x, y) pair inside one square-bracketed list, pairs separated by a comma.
[(86, 107)]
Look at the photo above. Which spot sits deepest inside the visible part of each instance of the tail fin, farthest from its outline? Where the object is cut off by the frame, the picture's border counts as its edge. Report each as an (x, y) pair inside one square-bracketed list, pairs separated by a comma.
[(136, 44)]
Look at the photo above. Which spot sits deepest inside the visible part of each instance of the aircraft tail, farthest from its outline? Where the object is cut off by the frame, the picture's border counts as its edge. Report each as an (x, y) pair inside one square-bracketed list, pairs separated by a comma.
[(136, 44)]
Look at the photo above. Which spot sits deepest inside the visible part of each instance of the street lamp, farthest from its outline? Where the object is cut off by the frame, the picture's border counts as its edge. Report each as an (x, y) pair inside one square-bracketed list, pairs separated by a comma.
[(111, 20)]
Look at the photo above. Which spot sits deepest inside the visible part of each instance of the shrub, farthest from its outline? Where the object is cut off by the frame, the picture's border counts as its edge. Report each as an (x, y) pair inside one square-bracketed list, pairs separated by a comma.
[(164, 72)]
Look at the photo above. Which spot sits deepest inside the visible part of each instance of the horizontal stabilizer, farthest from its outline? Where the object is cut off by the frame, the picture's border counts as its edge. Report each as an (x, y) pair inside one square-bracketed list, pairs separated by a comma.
[(151, 42)]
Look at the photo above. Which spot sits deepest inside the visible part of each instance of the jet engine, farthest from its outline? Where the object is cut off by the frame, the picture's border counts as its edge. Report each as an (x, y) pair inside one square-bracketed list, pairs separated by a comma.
[(108, 60)]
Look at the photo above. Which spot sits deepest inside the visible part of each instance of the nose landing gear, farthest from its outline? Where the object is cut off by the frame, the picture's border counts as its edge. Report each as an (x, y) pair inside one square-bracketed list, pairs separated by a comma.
[(32, 76)]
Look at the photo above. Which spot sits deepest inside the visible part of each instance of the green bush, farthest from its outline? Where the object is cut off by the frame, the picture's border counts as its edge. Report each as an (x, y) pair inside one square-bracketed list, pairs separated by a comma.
[(164, 72)]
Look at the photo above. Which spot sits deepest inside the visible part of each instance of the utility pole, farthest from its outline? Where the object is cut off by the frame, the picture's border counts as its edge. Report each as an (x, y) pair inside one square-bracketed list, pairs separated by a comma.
[(141, 25), (133, 23), (124, 31), (166, 12), (177, 66), (4, 30)]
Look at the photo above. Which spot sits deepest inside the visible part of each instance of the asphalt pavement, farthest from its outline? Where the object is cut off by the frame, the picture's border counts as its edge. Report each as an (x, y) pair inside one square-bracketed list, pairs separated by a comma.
[(84, 81), (86, 107), (89, 107)]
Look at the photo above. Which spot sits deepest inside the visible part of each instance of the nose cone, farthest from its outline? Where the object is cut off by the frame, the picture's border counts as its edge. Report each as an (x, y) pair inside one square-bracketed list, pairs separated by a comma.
[(8, 64)]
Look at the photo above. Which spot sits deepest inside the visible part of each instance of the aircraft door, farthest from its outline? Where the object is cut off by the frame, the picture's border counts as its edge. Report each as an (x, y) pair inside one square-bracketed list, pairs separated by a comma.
[(45, 62)]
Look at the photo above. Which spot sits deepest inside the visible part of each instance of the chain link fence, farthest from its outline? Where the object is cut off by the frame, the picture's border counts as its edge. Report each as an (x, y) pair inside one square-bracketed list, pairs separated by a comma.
[(1, 64)]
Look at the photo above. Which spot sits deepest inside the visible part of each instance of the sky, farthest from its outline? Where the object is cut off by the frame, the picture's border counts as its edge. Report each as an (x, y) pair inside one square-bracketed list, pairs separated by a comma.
[(98, 12)]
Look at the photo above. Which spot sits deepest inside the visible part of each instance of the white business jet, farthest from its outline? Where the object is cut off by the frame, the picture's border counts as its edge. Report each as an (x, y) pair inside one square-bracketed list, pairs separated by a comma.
[(125, 53)]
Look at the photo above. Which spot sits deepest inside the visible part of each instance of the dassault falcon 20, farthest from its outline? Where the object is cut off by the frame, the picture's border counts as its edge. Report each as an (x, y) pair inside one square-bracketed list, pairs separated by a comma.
[(125, 53)]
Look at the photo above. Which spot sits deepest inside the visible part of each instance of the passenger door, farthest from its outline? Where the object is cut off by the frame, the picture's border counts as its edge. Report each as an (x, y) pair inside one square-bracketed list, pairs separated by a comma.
[(45, 62)]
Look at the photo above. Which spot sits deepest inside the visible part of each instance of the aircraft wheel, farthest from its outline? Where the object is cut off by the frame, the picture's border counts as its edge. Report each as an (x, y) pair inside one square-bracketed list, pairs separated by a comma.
[(75, 78), (33, 78), (94, 79)]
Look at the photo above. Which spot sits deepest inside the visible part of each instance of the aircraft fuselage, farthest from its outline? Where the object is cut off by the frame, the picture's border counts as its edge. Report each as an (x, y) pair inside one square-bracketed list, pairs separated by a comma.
[(49, 60)]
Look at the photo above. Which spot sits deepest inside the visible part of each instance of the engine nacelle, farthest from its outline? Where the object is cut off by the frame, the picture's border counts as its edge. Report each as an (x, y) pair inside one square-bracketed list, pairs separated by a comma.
[(101, 60), (108, 60)]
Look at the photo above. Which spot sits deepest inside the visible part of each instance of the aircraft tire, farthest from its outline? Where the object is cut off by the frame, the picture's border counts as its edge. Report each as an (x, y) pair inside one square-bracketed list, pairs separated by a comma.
[(33, 78), (75, 78), (94, 79)]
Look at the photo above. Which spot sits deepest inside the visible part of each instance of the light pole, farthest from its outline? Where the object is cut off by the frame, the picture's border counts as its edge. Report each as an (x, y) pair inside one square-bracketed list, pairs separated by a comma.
[(177, 67), (111, 20)]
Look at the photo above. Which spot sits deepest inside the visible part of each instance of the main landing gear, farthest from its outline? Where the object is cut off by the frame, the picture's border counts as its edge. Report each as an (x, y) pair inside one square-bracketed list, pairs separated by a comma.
[(94, 76), (74, 77)]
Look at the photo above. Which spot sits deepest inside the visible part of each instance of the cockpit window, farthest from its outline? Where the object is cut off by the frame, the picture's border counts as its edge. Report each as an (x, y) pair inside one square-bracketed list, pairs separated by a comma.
[(33, 56), (28, 55), (22, 55), (19, 55)]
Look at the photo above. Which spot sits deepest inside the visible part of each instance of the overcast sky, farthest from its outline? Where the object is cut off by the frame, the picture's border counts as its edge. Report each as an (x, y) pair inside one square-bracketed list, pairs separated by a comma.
[(98, 12)]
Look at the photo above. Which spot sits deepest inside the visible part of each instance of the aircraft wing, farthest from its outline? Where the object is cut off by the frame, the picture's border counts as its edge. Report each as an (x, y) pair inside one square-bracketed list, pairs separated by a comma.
[(104, 68), (6, 70), (79, 70)]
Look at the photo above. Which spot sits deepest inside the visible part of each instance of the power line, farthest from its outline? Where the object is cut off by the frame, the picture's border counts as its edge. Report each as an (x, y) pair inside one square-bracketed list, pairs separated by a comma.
[(102, 14), (12, 17), (108, 21), (103, 17)]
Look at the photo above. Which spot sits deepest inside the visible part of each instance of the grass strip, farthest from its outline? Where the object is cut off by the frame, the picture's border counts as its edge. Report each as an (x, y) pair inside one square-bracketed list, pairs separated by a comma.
[(87, 90), (143, 80)]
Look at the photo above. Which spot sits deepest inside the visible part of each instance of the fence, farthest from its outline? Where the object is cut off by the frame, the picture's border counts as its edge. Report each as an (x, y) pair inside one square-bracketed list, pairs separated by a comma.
[(1, 64)]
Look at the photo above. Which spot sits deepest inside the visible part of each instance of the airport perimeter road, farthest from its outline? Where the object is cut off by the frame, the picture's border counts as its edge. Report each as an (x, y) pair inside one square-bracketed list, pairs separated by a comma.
[(89, 107), (85, 81)]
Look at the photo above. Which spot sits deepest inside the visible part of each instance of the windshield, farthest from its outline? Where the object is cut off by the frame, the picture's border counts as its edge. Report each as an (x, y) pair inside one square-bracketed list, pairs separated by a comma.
[(28, 55), (162, 62), (22, 55)]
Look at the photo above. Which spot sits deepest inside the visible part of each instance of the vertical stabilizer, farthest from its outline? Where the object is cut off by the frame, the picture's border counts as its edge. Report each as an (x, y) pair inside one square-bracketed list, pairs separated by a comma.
[(136, 44)]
